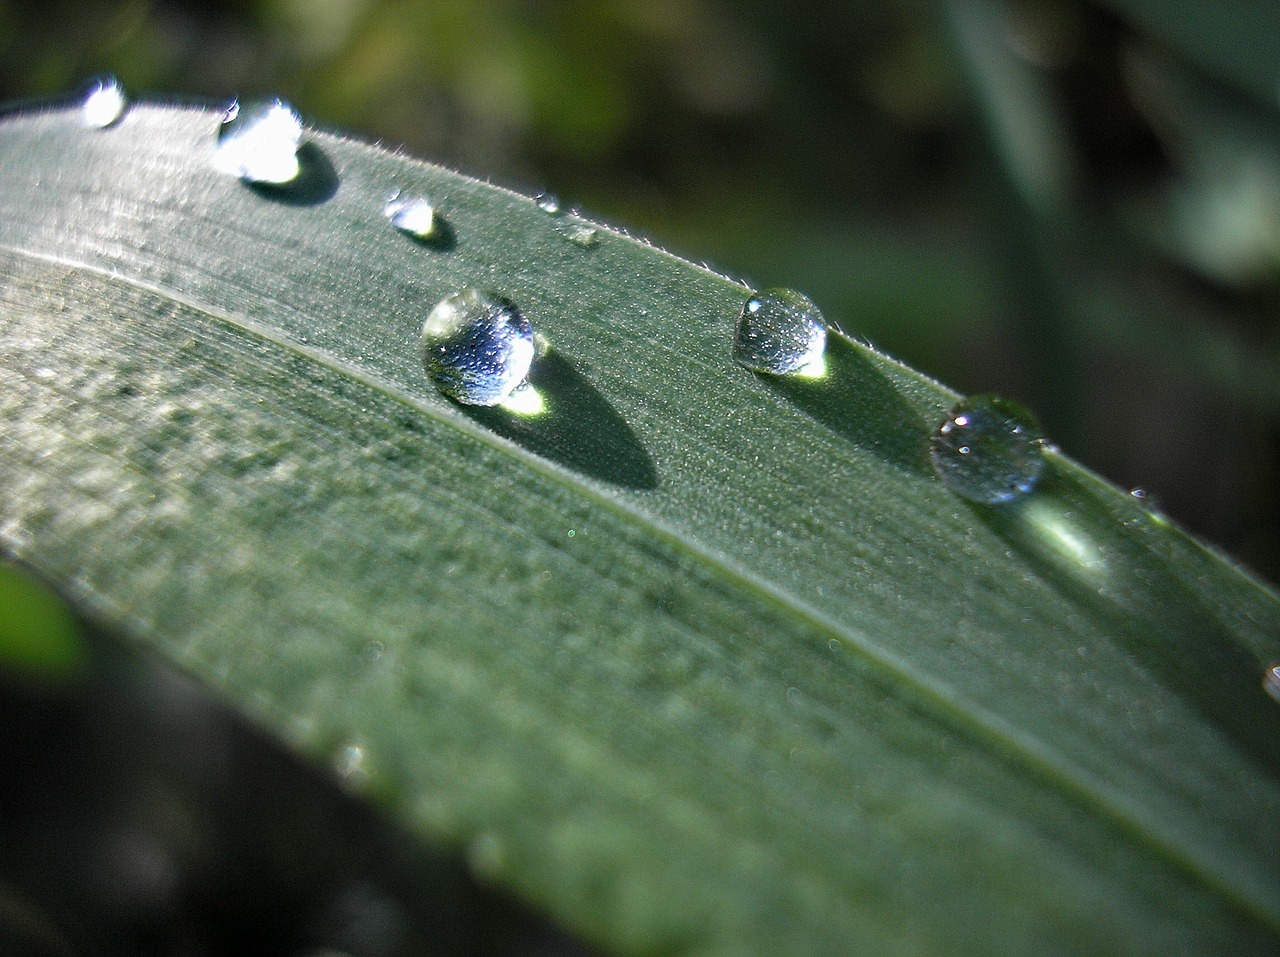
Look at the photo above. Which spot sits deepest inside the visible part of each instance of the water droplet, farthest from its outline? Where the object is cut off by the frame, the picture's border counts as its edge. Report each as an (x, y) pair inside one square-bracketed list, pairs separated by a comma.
[(414, 215), (1271, 681), (580, 234), (348, 762), (477, 348), (259, 141), (104, 102), (988, 450), (781, 331), (549, 203), (1150, 506)]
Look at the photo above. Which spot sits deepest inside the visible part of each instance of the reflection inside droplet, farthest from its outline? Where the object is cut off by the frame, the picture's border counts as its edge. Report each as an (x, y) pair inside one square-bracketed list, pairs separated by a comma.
[(104, 103), (258, 142)]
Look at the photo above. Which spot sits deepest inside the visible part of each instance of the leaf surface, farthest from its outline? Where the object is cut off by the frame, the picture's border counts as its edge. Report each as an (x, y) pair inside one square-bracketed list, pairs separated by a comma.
[(698, 660)]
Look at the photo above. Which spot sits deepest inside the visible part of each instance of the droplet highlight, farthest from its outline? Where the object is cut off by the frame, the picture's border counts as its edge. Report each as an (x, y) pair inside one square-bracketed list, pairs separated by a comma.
[(415, 215), (781, 332), (104, 103), (477, 348), (258, 142), (988, 450)]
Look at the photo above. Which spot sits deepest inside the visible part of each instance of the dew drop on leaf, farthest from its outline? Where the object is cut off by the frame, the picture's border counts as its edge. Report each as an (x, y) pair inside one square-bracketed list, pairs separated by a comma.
[(477, 348), (580, 234), (104, 102), (414, 215), (988, 450), (258, 142), (781, 331), (549, 203)]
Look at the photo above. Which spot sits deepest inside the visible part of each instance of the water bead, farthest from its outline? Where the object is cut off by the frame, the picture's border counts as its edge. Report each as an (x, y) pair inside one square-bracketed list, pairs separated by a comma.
[(477, 348), (580, 234), (258, 142), (413, 215), (104, 102), (988, 450), (549, 203), (780, 331)]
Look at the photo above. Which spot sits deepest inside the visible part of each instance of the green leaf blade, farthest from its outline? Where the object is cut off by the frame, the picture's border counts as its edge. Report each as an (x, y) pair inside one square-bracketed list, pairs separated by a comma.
[(778, 692)]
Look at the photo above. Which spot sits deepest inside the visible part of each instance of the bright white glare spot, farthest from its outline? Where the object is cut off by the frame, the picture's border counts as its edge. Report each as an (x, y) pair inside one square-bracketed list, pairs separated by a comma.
[(259, 142), (815, 368), (104, 104), (525, 400)]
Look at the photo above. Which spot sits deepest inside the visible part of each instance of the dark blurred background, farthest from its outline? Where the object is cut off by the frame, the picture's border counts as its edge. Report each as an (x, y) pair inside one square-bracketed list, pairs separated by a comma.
[(1076, 204)]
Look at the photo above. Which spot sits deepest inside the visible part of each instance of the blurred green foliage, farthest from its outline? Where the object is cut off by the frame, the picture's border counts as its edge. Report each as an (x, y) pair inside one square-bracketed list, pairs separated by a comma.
[(39, 639), (1074, 203)]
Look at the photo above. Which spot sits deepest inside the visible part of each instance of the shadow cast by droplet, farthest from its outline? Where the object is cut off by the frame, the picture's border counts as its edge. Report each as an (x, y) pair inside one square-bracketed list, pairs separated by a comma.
[(442, 237), (316, 182), (856, 400), (1165, 627), (579, 429)]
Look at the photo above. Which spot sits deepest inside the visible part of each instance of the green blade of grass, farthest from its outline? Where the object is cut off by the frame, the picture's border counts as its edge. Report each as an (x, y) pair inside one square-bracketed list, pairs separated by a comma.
[(698, 661)]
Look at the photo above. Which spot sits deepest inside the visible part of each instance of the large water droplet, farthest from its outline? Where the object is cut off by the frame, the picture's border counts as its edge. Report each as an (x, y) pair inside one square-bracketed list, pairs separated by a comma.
[(477, 348), (988, 450), (414, 215), (104, 102), (259, 141), (781, 332)]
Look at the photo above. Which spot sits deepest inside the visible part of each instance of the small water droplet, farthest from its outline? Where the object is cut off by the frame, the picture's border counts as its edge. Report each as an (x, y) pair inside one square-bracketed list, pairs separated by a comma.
[(477, 348), (1150, 506), (348, 762), (104, 102), (580, 234), (258, 142), (549, 203), (988, 450), (415, 215), (1271, 681), (781, 331)]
